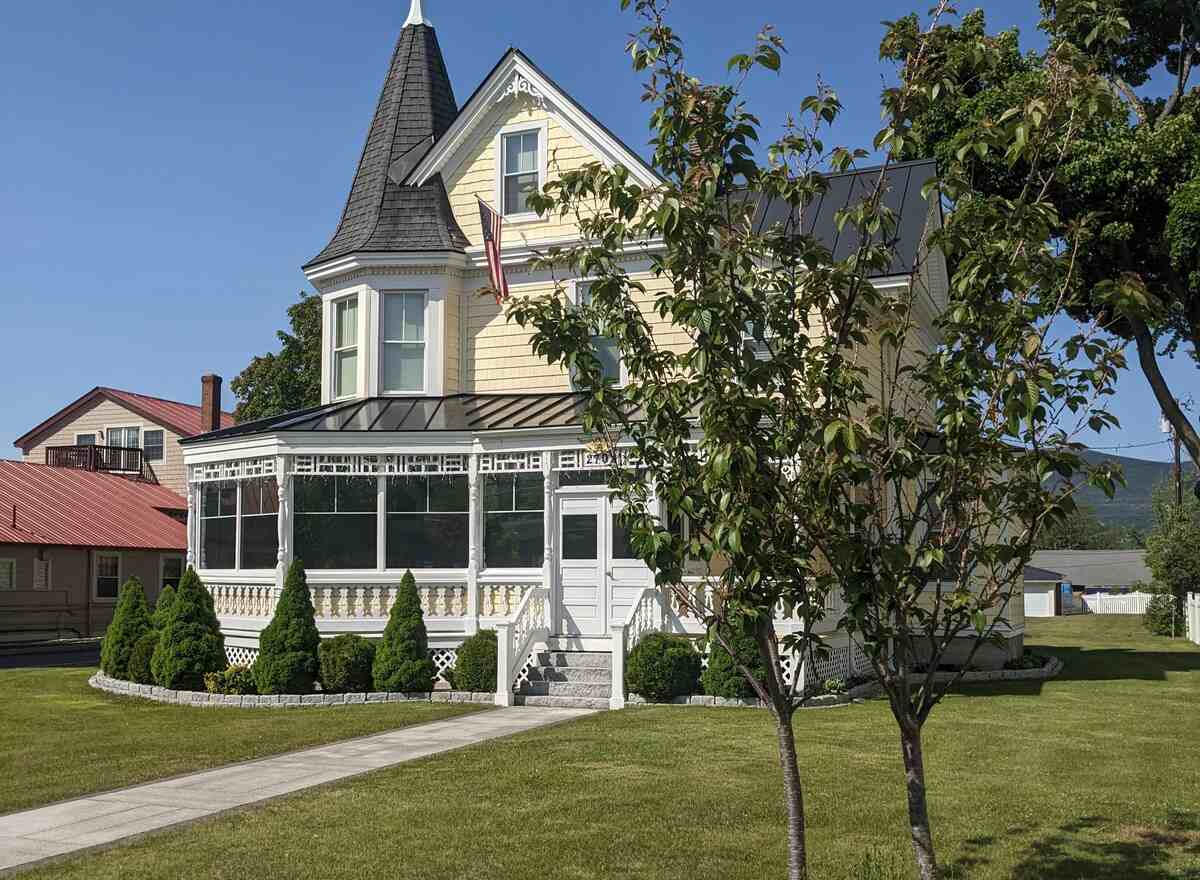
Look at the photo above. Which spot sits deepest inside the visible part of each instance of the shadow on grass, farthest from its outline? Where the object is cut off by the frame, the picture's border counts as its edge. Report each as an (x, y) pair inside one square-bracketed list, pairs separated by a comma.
[(1089, 849)]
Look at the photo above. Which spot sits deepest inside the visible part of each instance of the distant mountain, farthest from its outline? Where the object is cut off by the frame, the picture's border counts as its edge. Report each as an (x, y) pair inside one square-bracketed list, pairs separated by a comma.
[(1131, 506)]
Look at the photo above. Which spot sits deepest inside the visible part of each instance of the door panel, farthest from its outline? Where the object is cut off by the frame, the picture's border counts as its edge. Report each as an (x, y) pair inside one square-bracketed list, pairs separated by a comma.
[(581, 566), (627, 574)]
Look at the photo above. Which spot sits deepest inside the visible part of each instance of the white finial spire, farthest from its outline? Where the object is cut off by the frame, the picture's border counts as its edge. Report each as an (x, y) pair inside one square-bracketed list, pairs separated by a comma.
[(416, 16)]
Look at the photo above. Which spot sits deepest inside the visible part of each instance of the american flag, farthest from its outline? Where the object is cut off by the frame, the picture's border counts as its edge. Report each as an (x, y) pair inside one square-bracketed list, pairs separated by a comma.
[(492, 227)]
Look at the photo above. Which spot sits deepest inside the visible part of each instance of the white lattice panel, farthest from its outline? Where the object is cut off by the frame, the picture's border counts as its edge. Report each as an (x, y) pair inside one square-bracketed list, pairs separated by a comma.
[(443, 659), (507, 462), (240, 656), (522, 676), (237, 468)]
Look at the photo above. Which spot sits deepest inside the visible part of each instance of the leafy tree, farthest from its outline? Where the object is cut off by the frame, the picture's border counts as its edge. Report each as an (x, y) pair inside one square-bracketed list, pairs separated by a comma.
[(131, 620), (1081, 529), (1135, 166), (834, 450), (191, 643), (1173, 548), (291, 379), (287, 657), (402, 658)]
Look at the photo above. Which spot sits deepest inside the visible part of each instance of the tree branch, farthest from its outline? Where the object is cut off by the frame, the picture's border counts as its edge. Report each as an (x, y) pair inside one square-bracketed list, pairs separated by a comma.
[(1125, 90), (1185, 69), (1148, 358)]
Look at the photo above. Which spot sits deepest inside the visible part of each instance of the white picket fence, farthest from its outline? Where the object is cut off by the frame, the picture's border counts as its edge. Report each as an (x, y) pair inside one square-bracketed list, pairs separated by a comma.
[(1192, 613), (1116, 603)]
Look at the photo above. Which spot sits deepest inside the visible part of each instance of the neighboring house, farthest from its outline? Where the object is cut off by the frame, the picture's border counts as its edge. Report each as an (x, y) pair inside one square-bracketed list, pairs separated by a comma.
[(443, 444), (1042, 597), (69, 538), (1096, 570), (120, 432)]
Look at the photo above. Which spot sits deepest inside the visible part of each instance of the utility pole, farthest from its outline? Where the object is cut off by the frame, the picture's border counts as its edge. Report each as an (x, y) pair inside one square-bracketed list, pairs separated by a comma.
[(1168, 428)]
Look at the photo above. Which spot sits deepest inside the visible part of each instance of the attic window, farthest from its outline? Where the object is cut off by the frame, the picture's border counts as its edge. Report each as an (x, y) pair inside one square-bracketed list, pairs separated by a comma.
[(521, 176)]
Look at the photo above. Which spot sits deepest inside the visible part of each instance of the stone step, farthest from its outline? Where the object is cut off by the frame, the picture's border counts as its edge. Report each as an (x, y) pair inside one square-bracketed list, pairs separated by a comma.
[(562, 702), (571, 673), (566, 689), (594, 659)]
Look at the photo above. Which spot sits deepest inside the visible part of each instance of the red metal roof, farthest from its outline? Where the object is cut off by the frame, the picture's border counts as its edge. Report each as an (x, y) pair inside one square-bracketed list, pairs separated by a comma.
[(64, 507), (182, 418)]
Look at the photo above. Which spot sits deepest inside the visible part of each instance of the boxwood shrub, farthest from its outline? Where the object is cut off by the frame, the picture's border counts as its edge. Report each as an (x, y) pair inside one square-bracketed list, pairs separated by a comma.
[(233, 680), (346, 662), (131, 620), (402, 661), (722, 678), (661, 667), (475, 666), (191, 643), (139, 657), (287, 658)]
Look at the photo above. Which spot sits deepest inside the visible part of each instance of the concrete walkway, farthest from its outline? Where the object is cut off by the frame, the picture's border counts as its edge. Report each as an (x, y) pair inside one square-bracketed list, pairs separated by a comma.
[(98, 820)]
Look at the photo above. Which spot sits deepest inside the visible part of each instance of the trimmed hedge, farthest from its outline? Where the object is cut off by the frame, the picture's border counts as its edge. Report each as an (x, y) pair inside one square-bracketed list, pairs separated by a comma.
[(139, 657), (402, 661), (722, 678), (191, 643), (346, 662), (131, 620), (287, 659), (475, 666), (163, 607), (661, 667), (234, 680)]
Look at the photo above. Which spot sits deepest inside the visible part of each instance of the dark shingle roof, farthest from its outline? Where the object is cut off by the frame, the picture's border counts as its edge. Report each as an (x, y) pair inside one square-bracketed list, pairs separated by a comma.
[(415, 108), (1033, 573)]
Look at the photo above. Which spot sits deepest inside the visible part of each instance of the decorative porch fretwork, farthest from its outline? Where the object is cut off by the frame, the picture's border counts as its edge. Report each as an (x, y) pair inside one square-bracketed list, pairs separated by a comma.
[(372, 465), (234, 469), (500, 462), (593, 460)]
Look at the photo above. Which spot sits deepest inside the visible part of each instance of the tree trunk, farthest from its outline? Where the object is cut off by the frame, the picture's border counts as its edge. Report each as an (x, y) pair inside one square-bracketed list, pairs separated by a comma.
[(918, 808), (793, 793), (1148, 358)]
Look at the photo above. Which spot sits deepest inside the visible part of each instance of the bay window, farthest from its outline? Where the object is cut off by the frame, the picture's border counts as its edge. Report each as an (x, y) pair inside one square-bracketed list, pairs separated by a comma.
[(218, 525), (513, 524), (428, 522), (335, 522), (345, 347), (403, 342), (521, 175), (260, 523)]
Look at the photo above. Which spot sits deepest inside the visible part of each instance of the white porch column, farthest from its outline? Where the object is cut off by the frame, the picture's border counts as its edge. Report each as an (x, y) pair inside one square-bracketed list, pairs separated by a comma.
[(283, 484), (192, 555), (549, 484), (474, 534)]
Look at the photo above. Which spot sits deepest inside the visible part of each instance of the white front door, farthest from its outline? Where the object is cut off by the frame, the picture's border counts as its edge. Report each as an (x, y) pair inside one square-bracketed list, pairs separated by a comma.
[(627, 574), (582, 541)]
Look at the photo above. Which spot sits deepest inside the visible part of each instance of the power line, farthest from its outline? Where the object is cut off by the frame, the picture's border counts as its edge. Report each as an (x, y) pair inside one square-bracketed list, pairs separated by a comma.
[(1129, 445)]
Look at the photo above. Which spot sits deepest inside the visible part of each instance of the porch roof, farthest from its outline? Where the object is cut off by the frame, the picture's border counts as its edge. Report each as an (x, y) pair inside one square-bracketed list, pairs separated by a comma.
[(456, 412)]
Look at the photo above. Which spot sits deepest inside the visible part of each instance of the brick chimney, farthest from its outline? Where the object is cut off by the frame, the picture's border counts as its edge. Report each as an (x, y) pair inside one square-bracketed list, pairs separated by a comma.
[(210, 403)]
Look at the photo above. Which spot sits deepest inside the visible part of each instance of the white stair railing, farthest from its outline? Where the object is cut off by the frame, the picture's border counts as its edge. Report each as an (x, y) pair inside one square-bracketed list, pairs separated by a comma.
[(514, 638), (1192, 609), (648, 614)]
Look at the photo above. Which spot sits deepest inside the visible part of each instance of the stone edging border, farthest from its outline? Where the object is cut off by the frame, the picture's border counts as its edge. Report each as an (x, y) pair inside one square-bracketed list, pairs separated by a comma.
[(862, 692), (102, 682)]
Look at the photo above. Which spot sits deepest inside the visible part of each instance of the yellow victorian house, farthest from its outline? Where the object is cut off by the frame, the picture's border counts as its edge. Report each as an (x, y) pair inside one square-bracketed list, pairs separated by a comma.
[(443, 445)]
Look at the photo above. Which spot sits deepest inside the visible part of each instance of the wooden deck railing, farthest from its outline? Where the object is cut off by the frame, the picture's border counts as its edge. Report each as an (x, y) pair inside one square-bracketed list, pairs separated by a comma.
[(114, 459)]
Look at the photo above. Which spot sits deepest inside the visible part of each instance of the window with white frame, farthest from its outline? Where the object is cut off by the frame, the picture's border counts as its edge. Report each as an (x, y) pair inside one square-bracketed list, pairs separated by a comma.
[(260, 523), (218, 525), (152, 445), (335, 522), (513, 522), (403, 342), (8, 574), (428, 521), (604, 347), (521, 170), (345, 347), (108, 575), (125, 437), (85, 439), (170, 572)]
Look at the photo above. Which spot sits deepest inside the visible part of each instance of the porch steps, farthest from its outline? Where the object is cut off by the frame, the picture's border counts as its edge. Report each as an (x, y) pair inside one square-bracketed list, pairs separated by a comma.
[(568, 679)]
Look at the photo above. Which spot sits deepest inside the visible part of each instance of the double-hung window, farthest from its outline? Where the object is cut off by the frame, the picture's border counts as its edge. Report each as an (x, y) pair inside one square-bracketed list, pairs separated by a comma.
[(127, 438), (108, 575), (8, 574), (403, 342), (152, 445), (218, 525), (345, 347), (604, 347), (513, 522), (170, 572), (428, 521), (335, 522), (521, 176)]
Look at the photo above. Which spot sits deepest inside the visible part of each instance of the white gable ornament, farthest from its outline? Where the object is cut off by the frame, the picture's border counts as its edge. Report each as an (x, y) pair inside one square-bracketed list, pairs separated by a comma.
[(521, 86)]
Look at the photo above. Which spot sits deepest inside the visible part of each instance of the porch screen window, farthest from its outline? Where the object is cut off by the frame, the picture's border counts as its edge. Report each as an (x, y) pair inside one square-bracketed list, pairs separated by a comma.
[(345, 347), (108, 575), (603, 347), (152, 446), (335, 522), (218, 525), (520, 171), (129, 438), (428, 522), (260, 523), (513, 526), (403, 342)]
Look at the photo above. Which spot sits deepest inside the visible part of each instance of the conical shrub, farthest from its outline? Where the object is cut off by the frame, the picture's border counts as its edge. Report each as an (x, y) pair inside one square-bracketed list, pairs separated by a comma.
[(402, 660), (191, 643), (131, 620), (287, 649), (163, 607)]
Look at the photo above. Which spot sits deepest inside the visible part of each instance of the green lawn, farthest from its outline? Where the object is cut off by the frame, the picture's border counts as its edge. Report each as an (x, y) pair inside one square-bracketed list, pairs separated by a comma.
[(1093, 775), (60, 738)]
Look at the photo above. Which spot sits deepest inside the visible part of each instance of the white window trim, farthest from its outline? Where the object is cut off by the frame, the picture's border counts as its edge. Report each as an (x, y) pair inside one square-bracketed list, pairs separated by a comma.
[(11, 562), (426, 320), (125, 426), (543, 129), (573, 292), (162, 567), (334, 350), (96, 556), (142, 436), (91, 434)]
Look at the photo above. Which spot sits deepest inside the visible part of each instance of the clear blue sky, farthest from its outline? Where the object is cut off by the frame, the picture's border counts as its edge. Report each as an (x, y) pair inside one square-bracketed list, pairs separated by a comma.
[(168, 166)]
